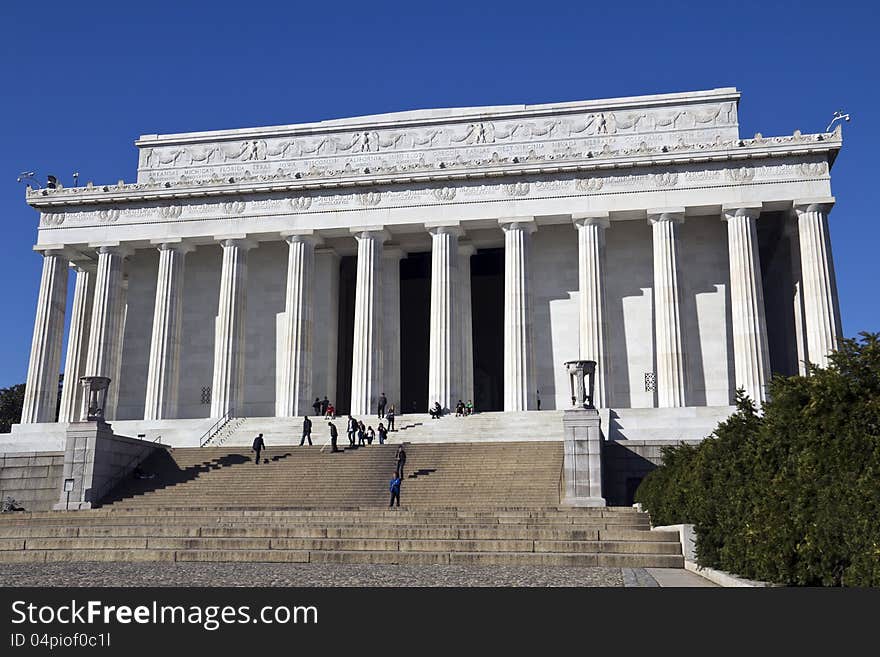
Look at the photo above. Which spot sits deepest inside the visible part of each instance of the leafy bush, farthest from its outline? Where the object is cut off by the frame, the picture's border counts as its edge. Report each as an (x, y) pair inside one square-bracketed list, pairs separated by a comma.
[(793, 495)]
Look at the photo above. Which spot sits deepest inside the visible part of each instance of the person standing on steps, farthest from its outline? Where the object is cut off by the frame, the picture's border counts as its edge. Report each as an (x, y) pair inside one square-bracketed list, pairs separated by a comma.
[(383, 433), (538, 395), (325, 403), (401, 461), (383, 401), (390, 418), (362, 434), (395, 490), (258, 446), (317, 407), (351, 429), (371, 435), (333, 436), (307, 431)]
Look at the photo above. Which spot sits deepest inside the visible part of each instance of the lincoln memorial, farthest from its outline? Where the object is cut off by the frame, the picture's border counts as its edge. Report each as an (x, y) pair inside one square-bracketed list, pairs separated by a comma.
[(439, 255)]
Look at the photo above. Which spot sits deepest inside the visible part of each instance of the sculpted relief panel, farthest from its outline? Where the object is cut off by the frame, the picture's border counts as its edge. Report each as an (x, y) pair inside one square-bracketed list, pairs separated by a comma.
[(363, 151)]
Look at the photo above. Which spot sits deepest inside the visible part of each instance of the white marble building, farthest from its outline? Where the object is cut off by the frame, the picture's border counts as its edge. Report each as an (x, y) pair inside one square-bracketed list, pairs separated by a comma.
[(440, 255)]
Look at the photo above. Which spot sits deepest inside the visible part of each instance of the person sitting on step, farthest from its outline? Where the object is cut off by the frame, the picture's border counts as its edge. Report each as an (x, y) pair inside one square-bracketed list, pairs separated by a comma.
[(436, 411)]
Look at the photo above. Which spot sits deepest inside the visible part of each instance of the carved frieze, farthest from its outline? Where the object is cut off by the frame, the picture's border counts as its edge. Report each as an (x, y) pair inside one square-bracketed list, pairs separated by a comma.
[(457, 142)]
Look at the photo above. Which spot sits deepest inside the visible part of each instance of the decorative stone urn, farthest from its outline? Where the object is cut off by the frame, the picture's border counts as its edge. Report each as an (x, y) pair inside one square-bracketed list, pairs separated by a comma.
[(583, 382), (94, 397)]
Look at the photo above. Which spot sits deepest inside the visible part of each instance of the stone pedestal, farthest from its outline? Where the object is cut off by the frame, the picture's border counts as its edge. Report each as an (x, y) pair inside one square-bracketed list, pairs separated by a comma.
[(582, 465), (95, 460)]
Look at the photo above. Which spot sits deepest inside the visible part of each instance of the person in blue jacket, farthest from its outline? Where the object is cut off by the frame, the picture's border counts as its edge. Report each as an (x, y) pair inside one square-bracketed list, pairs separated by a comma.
[(395, 490)]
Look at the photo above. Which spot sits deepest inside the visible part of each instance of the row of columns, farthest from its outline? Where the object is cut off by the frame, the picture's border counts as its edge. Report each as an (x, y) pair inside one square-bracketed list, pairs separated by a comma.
[(750, 345), (99, 313)]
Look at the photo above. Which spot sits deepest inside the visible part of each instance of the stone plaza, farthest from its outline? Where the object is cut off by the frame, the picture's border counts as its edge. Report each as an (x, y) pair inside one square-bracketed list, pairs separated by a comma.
[(440, 255)]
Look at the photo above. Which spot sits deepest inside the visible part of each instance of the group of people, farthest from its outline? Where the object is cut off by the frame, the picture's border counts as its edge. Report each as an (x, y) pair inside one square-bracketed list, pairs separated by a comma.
[(323, 408), (461, 409)]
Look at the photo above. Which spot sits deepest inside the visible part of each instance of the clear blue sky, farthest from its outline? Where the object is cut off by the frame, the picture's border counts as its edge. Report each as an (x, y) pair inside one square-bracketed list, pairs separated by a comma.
[(79, 81)]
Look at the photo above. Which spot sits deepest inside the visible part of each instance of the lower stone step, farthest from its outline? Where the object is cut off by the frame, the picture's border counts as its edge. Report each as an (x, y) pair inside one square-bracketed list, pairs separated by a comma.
[(340, 556)]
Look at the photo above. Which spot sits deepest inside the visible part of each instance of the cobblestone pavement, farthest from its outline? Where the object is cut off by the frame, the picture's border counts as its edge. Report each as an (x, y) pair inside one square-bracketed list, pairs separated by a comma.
[(277, 574)]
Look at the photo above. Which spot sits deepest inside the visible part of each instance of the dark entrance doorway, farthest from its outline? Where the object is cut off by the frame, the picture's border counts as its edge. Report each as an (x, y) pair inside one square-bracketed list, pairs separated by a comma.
[(487, 314), (415, 317), (345, 339)]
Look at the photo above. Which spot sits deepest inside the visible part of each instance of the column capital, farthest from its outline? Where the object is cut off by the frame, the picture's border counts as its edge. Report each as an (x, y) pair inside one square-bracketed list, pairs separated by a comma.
[(821, 204), (52, 250), (393, 250), (173, 244), (594, 218), (731, 210), (83, 264), (302, 235), (466, 248), (658, 215), (444, 227), (117, 248), (518, 223), (235, 239), (370, 232), (325, 250)]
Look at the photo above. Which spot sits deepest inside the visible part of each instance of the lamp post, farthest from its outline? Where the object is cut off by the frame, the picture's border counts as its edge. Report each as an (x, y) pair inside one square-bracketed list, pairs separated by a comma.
[(582, 450)]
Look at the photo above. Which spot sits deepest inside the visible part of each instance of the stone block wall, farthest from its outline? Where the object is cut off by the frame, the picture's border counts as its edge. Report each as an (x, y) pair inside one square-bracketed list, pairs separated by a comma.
[(97, 460), (32, 479), (625, 464)]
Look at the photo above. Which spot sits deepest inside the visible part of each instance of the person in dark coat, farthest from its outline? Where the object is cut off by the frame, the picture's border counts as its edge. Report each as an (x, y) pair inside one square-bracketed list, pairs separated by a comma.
[(395, 490), (383, 433), (390, 418), (333, 436), (383, 401), (401, 461), (317, 406), (352, 429), (258, 446), (307, 431), (324, 404), (361, 433)]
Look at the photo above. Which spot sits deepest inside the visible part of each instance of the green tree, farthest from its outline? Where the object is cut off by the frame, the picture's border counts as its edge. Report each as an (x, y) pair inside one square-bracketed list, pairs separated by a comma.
[(11, 402), (793, 495)]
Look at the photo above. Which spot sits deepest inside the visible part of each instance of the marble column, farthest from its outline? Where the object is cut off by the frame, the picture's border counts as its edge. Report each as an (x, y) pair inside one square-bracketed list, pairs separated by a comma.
[(41, 389), (821, 309), (465, 251), (294, 368), (228, 380), (519, 365), (671, 378), (163, 371), (367, 356), (593, 322), (77, 341), (751, 355), (444, 351), (110, 410), (326, 321), (108, 318), (790, 231), (391, 256)]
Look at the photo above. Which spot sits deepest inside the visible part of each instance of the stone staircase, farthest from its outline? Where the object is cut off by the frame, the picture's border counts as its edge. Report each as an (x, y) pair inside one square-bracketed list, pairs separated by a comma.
[(501, 536), (471, 503)]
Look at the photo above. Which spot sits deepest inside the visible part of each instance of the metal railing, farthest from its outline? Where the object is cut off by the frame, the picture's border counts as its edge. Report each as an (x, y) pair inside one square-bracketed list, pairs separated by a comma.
[(215, 429)]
